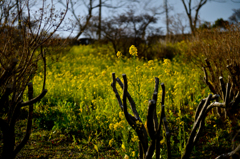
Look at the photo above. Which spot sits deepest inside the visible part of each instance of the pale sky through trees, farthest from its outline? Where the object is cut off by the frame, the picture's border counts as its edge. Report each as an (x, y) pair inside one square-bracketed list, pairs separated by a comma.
[(210, 12)]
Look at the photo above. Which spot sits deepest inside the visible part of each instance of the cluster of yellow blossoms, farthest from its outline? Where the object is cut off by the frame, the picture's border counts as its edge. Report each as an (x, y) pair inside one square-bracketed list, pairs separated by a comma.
[(133, 51)]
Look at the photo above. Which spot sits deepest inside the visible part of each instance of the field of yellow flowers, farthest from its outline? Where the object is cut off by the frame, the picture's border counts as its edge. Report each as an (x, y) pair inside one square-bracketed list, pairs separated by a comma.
[(80, 112)]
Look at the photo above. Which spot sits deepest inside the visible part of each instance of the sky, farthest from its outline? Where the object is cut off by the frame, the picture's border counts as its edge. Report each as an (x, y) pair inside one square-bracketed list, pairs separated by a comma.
[(210, 12), (214, 10)]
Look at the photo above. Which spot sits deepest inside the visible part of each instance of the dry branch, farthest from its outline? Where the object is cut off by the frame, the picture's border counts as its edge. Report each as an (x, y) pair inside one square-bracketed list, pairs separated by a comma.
[(154, 128)]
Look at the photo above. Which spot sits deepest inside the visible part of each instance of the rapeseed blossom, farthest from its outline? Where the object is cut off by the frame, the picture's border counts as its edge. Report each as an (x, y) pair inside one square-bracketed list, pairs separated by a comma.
[(123, 146), (135, 138), (133, 153), (111, 142), (119, 54), (133, 51), (111, 126)]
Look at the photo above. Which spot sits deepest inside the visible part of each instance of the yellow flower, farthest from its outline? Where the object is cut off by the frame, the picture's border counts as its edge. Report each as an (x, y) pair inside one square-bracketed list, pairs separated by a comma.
[(133, 50), (111, 126), (138, 123), (181, 123), (104, 73), (133, 154), (116, 126), (135, 138), (123, 146), (97, 117), (120, 124), (111, 142), (119, 54), (162, 141), (121, 115), (151, 63)]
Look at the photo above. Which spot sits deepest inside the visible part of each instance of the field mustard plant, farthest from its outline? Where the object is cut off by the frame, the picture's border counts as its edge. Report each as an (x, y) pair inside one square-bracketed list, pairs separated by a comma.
[(80, 96), (133, 154), (133, 51), (111, 142), (119, 54), (123, 146), (135, 138)]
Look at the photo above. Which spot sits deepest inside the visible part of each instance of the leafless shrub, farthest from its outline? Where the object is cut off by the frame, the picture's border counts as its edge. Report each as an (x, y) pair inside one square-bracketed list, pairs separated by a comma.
[(22, 38)]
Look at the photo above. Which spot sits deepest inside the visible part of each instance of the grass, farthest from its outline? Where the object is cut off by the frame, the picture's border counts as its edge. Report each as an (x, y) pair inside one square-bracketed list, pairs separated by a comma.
[(80, 117), (54, 144)]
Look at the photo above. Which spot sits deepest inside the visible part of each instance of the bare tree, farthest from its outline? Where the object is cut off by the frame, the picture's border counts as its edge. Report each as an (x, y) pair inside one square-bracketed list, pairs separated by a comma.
[(167, 16), (193, 19), (125, 29), (188, 8), (6, 8), (235, 17), (99, 19), (119, 4), (101, 5), (82, 21), (19, 62), (178, 23)]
